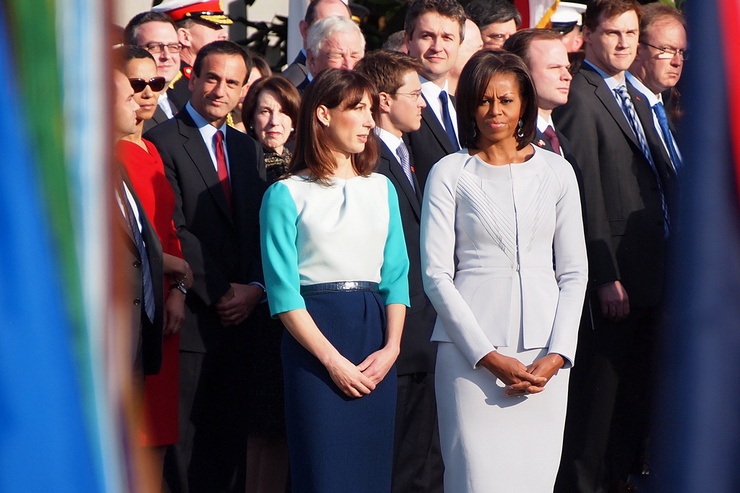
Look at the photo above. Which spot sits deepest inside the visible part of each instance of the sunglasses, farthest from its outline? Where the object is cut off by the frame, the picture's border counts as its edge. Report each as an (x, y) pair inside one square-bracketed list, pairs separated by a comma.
[(156, 83)]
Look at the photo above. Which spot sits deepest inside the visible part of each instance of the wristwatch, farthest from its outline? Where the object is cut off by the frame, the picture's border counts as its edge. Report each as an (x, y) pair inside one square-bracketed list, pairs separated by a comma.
[(180, 286)]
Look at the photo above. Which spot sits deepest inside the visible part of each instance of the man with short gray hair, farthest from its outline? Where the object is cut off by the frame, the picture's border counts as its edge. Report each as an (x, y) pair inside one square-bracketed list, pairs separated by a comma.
[(333, 42)]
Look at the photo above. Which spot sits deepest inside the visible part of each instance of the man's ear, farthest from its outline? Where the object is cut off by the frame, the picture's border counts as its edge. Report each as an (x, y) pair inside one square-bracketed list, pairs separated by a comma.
[(578, 43), (384, 102), (183, 36)]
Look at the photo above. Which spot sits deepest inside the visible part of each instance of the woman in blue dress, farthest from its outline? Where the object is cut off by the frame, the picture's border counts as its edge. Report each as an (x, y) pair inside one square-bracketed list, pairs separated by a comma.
[(336, 273)]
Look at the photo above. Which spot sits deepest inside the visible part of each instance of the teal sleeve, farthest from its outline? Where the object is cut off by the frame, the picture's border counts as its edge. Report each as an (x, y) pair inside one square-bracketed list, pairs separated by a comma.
[(394, 274), (278, 232)]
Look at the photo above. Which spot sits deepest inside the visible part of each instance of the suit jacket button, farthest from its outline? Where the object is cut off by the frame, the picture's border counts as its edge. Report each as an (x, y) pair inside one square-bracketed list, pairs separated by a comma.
[(137, 264), (137, 302)]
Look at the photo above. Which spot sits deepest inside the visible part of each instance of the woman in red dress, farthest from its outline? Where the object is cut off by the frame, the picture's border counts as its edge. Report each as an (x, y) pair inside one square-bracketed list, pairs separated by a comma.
[(146, 171)]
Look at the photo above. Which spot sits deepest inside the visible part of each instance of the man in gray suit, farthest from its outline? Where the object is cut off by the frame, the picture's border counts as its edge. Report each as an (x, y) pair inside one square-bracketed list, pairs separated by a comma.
[(626, 176), (217, 174)]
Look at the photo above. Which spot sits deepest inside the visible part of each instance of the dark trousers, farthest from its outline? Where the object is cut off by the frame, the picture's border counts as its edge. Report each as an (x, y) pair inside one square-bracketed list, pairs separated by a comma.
[(609, 401), (211, 453), (417, 458)]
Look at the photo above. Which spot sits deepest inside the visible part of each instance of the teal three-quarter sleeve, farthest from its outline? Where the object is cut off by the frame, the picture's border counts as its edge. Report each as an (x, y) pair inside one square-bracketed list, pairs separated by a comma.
[(278, 216), (394, 273)]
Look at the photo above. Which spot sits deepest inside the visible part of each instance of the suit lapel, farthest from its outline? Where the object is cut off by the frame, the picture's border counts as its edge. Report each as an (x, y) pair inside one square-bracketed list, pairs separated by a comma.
[(660, 156), (398, 176), (428, 116), (607, 98), (196, 149)]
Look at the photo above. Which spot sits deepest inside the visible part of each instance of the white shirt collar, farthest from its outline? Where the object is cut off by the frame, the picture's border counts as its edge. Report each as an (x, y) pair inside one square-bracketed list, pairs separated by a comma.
[(207, 132), (652, 98), (388, 139)]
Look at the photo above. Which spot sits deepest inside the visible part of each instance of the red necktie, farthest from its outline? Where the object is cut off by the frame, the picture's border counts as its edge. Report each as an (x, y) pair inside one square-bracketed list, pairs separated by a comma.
[(553, 138), (223, 173)]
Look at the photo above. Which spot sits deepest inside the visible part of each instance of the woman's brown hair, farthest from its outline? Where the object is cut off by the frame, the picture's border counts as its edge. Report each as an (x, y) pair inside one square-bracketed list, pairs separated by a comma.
[(333, 88)]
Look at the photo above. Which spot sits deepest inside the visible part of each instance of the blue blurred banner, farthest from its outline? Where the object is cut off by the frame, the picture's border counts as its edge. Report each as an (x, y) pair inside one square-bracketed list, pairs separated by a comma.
[(697, 425), (45, 440)]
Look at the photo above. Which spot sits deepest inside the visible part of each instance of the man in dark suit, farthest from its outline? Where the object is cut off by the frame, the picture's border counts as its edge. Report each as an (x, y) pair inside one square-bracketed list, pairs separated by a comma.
[(198, 23), (658, 66), (214, 171), (434, 30), (156, 33), (625, 175), (297, 71), (417, 461), (140, 254)]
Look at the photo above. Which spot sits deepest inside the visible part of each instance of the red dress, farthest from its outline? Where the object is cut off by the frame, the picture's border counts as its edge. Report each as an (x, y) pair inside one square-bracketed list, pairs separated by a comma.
[(146, 171)]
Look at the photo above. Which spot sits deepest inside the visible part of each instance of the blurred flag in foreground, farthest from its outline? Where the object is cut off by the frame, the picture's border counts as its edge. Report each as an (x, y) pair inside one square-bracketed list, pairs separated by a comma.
[(697, 426)]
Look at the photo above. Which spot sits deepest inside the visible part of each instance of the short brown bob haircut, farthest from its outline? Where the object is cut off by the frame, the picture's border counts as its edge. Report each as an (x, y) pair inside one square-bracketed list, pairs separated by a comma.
[(472, 86), (333, 88), (285, 93)]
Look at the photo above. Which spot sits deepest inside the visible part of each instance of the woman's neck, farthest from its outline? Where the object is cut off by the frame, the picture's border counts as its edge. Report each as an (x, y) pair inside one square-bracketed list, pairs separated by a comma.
[(502, 153), (344, 168)]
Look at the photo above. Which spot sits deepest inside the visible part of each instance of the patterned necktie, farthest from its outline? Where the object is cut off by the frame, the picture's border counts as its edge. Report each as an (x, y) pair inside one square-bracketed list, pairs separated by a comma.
[(223, 173), (447, 121), (629, 111), (553, 138), (667, 136), (146, 270), (404, 159)]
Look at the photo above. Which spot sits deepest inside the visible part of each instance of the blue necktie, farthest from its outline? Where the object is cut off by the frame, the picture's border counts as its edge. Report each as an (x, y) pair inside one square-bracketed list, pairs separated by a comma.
[(405, 160), (629, 111), (447, 121), (667, 136), (146, 271)]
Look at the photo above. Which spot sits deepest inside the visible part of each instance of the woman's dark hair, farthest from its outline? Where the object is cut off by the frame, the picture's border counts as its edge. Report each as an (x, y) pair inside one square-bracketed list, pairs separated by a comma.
[(333, 88), (121, 55), (471, 89), (285, 92)]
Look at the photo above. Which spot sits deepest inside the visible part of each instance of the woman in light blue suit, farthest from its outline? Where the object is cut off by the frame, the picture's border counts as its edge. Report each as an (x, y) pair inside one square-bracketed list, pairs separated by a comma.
[(505, 267)]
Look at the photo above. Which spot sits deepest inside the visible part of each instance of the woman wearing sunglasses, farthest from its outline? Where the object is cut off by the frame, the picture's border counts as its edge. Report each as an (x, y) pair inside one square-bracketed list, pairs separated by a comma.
[(145, 169)]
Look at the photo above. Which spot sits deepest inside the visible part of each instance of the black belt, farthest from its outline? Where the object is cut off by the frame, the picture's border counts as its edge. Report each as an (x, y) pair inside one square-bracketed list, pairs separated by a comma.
[(340, 287)]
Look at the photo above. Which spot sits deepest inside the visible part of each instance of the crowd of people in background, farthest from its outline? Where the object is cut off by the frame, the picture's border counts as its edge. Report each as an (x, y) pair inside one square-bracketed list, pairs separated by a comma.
[(436, 266)]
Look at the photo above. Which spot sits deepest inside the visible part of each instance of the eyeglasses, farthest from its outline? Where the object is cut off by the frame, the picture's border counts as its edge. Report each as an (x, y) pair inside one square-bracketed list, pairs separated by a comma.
[(413, 95), (156, 83), (155, 48), (668, 53)]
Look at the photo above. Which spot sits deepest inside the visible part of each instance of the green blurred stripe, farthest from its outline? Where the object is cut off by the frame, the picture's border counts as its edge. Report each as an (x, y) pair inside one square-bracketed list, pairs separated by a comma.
[(33, 29)]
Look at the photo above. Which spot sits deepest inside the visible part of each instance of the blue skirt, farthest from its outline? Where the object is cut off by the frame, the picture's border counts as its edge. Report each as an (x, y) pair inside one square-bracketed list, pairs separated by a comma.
[(339, 443)]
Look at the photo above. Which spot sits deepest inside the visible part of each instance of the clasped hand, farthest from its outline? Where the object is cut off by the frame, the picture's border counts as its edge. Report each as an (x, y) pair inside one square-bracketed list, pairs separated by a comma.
[(238, 303), (359, 380), (518, 378)]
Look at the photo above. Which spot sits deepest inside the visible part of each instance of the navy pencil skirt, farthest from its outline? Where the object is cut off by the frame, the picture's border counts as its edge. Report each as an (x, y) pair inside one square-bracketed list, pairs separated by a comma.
[(339, 444)]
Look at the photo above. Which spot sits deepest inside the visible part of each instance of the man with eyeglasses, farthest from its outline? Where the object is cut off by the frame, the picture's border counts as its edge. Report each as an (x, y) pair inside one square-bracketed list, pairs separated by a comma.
[(627, 181), (156, 33), (658, 65), (416, 462), (496, 19), (198, 22)]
